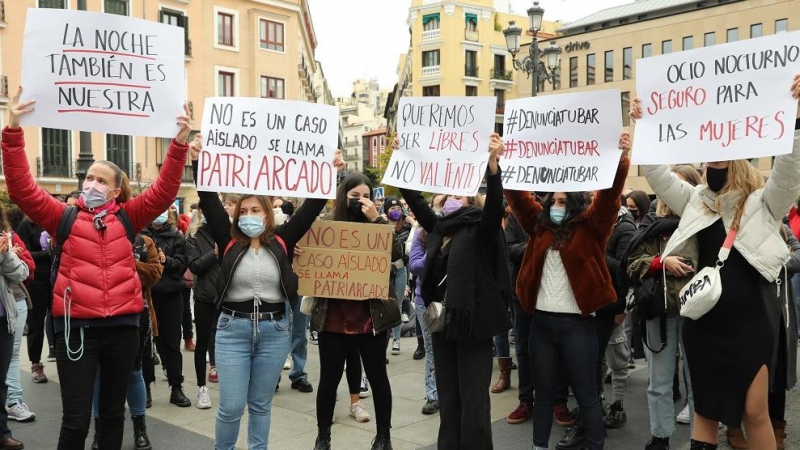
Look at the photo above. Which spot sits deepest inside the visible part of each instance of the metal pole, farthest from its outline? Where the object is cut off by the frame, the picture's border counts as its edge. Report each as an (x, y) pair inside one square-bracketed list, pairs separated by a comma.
[(534, 55), (85, 157)]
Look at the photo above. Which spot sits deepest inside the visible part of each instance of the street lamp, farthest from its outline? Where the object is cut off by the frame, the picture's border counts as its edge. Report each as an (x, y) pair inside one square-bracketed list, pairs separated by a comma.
[(531, 65), (85, 157)]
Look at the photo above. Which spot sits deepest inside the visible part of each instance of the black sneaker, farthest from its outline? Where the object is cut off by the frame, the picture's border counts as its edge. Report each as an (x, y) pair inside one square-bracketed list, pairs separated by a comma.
[(574, 438), (178, 398), (657, 444), (431, 407), (616, 415), (302, 385), (419, 353)]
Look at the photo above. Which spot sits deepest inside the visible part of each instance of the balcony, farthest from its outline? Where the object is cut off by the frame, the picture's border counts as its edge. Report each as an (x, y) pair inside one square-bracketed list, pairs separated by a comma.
[(48, 169), (2, 14), (470, 35), (187, 173), (431, 71), (502, 74), (500, 108), (431, 35), (3, 89), (187, 51), (471, 71)]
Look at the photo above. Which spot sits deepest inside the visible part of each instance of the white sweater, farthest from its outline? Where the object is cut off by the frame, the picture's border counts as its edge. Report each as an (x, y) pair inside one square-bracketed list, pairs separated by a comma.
[(555, 294)]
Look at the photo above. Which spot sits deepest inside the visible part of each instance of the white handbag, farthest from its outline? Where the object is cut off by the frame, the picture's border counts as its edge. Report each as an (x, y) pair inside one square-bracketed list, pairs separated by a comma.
[(702, 293)]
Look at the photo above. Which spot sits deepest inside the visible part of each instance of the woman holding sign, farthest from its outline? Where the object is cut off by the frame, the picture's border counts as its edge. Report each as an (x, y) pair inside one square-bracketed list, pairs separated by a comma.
[(467, 268), (256, 282), (735, 337), (563, 280), (97, 295)]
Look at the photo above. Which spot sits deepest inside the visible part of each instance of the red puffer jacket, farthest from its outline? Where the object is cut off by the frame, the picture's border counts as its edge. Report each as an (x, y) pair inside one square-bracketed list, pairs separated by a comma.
[(97, 267)]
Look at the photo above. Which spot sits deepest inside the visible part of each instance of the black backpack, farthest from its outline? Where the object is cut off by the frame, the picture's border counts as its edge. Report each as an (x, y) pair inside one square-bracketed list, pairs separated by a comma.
[(65, 228)]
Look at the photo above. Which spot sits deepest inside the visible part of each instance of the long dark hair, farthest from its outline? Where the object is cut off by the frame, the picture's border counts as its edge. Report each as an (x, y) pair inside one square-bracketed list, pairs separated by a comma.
[(577, 202), (340, 204)]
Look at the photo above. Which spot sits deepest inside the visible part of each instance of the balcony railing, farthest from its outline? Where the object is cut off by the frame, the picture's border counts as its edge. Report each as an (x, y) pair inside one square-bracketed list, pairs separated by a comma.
[(187, 51), (431, 71), (500, 108), (48, 169), (470, 35), (471, 71), (3, 12), (4, 86), (431, 35), (502, 74), (187, 173)]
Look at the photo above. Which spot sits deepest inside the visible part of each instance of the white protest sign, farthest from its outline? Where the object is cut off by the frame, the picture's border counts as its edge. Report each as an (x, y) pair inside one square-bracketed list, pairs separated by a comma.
[(444, 144), (564, 143), (268, 147), (717, 103), (105, 73)]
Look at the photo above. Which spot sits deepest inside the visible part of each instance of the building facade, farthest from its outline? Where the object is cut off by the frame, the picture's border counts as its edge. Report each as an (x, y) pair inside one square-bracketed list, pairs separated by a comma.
[(374, 145)]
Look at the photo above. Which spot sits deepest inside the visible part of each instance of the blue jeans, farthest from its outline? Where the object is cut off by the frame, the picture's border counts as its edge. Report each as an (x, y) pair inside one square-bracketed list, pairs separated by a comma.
[(568, 341), (12, 379), (661, 370), (430, 371), (400, 282), (522, 328), (299, 344), (137, 395), (248, 368)]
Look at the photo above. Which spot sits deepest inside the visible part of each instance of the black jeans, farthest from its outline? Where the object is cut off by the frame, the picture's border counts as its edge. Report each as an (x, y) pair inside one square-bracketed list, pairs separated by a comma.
[(169, 313), (111, 349), (334, 350), (42, 299), (603, 325), (522, 329), (205, 314), (463, 377), (6, 349), (186, 295), (567, 342)]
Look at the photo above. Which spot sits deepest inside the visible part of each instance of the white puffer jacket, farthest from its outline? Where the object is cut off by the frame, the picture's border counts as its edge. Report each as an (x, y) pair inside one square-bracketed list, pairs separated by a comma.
[(758, 239)]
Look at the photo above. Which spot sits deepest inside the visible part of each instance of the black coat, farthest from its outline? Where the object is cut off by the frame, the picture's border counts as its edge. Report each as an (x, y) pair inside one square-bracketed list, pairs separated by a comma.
[(620, 238), (172, 243), (204, 264), (30, 233), (516, 243)]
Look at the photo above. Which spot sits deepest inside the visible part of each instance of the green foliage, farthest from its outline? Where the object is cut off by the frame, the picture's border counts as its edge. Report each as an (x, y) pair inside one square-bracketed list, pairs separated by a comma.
[(5, 200), (497, 25)]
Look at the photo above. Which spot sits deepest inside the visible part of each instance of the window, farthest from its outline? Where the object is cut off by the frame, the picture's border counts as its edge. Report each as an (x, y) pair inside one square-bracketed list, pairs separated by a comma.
[(710, 39), (756, 30), (177, 19), (733, 35), (430, 58), (55, 153), (647, 50), (430, 22), (55, 4), (625, 98), (118, 7), (573, 72), (609, 66), (118, 151), (590, 68), (271, 35), (500, 95), (471, 22), (226, 82), (472, 91), (666, 47), (272, 87), (688, 42), (781, 26), (225, 29), (627, 63), (471, 63), (430, 91)]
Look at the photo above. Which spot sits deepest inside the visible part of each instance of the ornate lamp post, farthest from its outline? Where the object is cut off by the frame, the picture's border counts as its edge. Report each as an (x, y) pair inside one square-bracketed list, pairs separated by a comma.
[(531, 65)]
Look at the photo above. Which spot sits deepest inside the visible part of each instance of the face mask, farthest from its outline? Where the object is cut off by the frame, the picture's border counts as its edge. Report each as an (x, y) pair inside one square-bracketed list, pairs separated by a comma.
[(354, 208), (203, 219), (716, 178), (395, 215), (94, 194), (557, 214), (634, 213), (251, 226), (162, 219), (450, 206)]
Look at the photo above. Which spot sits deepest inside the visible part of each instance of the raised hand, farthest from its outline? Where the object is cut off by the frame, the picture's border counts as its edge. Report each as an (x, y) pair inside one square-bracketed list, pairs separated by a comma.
[(625, 144), (796, 87), (338, 161), (636, 109), (495, 152), (18, 109), (185, 124), (195, 147)]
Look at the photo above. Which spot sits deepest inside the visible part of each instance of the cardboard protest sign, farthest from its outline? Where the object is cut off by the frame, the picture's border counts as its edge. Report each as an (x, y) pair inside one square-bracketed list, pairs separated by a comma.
[(105, 73), (717, 103), (268, 147), (565, 143), (345, 260), (444, 144)]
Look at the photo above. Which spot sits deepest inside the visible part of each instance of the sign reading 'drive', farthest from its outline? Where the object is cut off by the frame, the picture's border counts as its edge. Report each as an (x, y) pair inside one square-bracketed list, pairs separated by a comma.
[(268, 147), (346, 260), (718, 103), (105, 73), (565, 143), (444, 144)]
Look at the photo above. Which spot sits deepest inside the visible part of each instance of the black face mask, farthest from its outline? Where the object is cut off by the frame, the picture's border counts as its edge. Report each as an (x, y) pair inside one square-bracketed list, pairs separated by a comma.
[(354, 208), (634, 213), (716, 178)]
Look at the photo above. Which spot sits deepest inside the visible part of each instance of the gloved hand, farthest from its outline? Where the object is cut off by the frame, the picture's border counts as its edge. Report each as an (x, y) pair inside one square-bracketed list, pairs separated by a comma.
[(44, 241)]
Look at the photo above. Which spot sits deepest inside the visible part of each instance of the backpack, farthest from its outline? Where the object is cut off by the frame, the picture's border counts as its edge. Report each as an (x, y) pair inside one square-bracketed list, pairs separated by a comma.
[(65, 228)]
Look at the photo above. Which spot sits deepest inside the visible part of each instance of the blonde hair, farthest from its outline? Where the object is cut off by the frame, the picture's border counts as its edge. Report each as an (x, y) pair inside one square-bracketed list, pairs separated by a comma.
[(195, 224), (743, 178)]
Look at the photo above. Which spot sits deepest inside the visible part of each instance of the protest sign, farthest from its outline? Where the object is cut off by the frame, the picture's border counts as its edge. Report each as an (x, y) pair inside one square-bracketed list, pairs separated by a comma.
[(717, 103), (346, 260), (105, 73), (565, 143), (268, 147), (444, 144)]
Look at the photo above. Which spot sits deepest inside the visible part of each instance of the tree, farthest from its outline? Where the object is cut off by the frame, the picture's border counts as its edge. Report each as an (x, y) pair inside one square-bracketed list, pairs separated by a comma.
[(383, 163), (6, 200)]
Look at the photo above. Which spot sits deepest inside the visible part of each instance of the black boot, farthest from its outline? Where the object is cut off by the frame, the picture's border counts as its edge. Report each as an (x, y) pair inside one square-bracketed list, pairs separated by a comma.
[(95, 443), (179, 398), (140, 439), (383, 440), (574, 438), (323, 441), (657, 443), (697, 445), (419, 353)]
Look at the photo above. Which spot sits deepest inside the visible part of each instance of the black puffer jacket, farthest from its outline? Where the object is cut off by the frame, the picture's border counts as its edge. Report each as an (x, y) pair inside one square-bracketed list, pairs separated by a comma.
[(172, 243), (30, 233), (204, 264), (621, 236)]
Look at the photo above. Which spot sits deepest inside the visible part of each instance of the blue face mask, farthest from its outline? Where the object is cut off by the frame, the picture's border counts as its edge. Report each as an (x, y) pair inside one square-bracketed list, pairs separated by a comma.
[(162, 219), (557, 214), (252, 226)]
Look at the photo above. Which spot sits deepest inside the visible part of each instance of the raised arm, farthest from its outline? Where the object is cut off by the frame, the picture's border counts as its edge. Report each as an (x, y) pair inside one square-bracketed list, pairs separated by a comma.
[(493, 211), (293, 230), (603, 211), (781, 189), (426, 218)]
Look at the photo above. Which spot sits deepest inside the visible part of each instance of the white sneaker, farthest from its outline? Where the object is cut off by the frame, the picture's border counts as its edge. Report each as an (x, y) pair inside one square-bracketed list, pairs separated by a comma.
[(364, 393), (21, 413), (288, 364), (404, 318), (683, 417), (165, 378), (203, 399), (396, 347), (358, 412)]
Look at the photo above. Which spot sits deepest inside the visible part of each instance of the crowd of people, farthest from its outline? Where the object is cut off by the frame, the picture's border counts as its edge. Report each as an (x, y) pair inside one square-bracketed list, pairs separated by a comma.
[(581, 282)]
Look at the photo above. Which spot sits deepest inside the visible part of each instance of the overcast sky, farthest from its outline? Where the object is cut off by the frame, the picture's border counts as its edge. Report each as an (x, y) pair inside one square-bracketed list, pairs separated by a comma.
[(364, 38)]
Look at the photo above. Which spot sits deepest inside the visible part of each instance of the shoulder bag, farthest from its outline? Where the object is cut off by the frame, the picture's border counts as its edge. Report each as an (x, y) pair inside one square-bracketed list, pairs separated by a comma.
[(702, 293)]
